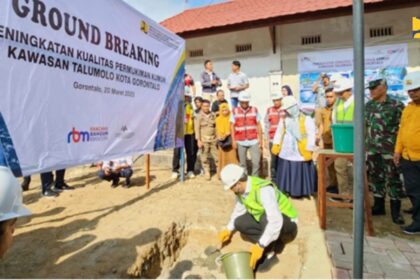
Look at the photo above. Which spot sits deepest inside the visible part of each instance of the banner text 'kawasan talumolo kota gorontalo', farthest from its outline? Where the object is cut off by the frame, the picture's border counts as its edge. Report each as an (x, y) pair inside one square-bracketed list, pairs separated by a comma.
[(83, 81)]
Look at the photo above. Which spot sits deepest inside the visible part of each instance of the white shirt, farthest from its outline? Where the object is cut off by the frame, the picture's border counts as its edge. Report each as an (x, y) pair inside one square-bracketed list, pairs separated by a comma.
[(115, 163), (272, 211), (289, 148)]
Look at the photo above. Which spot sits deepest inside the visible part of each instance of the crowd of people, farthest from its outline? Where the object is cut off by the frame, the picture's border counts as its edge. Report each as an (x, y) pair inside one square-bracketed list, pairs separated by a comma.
[(219, 133)]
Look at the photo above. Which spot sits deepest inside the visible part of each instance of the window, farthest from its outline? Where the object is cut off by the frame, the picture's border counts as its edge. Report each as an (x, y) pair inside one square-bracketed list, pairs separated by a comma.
[(244, 48), (310, 40), (380, 32), (197, 53)]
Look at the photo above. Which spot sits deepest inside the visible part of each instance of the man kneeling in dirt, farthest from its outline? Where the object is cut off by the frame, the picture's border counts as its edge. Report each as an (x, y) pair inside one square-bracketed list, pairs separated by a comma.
[(112, 170), (262, 214)]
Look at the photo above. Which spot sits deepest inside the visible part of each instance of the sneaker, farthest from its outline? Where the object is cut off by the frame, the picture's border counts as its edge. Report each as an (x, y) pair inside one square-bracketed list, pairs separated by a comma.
[(174, 175), (190, 175), (64, 187), (50, 194), (115, 183), (411, 229), (202, 173)]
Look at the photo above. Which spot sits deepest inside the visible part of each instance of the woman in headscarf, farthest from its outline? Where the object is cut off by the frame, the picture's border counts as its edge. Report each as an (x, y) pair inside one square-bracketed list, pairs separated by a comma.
[(227, 154), (294, 143), (286, 91)]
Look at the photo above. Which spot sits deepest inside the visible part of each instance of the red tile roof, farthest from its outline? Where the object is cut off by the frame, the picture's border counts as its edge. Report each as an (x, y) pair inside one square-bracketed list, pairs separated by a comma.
[(240, 11)]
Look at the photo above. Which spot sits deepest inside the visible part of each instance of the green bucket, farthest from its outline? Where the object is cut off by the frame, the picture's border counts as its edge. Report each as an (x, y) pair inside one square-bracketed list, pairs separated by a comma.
[(343, 137), (236, 265)]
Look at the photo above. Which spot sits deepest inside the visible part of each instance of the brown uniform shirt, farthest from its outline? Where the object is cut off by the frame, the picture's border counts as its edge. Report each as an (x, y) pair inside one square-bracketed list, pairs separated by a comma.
[(205, 127), (325, 118)]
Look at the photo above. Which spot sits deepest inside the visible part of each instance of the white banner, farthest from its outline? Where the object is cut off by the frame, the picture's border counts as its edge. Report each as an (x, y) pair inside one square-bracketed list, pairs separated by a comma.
[(341, 60), (83, 81)]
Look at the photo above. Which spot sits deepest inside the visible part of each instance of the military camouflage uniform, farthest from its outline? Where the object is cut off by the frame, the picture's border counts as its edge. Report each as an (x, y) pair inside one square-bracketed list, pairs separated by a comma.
[(382, 122)]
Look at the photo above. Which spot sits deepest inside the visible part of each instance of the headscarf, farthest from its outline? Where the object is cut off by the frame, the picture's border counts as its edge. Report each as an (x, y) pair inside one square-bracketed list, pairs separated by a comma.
[(288, 89), (222, 121), (292, 122)]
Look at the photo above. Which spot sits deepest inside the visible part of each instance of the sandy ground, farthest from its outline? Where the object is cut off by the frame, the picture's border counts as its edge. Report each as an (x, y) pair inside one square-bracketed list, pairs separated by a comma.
[(99, 232)]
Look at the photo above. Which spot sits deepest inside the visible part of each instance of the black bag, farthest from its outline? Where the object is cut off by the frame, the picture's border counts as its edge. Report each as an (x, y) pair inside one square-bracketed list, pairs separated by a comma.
[(226, 143)]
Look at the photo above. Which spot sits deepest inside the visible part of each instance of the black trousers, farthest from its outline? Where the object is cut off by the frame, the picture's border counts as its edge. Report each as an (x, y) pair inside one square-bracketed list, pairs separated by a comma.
[(113, 176), (411, 173), (191, 153), (273, 166), (47, 179), (253, 230)]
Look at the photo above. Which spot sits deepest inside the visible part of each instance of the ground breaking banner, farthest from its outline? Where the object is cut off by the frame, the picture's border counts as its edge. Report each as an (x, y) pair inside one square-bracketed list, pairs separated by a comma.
[(389, 60), (83, 81)]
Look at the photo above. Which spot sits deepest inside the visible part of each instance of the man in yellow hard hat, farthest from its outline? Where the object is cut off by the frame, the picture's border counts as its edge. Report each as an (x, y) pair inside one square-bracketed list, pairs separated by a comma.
[(263, 214)]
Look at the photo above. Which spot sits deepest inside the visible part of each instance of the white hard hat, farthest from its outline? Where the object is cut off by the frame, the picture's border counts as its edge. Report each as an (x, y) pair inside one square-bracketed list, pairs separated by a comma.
[(276, 96), (343, 84), (244, 96), (412, 81), (288, 102), (11, 205), (230, 175), (335, 76)]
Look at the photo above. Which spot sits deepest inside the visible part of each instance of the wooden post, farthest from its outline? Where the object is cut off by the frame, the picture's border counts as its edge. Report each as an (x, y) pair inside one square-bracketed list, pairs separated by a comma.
[(322, 191), (147, 162)]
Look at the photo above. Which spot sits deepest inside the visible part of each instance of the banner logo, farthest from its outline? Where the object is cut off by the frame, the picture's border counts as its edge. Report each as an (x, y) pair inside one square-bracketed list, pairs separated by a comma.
[(95, 134), (144, 27), (416, 28)]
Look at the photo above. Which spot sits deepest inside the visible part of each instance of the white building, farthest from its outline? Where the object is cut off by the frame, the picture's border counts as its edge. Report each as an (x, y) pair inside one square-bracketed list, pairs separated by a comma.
[(267, 36)]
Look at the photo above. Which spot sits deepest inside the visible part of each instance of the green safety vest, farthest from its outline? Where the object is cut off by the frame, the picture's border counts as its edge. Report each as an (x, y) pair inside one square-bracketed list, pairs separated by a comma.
[(253, 203), (344, 116)]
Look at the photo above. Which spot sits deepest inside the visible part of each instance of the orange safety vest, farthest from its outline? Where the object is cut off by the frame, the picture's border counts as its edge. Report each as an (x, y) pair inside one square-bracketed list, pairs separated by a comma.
[(245, 123), (274, 116)]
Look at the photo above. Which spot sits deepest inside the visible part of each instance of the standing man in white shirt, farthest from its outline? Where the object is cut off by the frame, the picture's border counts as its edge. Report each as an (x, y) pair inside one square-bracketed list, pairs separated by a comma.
[(112, 170), (237, 82), (262, 213), (343, 113)]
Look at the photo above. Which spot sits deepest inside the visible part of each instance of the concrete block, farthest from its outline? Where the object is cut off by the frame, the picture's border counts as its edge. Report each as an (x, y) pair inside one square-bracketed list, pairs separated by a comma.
[(413, 258), (397, 256), (339, 273), (383, 244), (343, 262), (415, 246), (368, 275), (402, 245), (373, 267)]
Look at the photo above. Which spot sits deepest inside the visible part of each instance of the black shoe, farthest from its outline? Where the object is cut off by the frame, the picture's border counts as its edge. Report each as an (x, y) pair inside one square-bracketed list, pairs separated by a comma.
[(332, 189), (65, 187), (127, 182), (411, 229), (50, 193), (395, 212), (409, 210), (266, 264), (378, 208), (115, 183)]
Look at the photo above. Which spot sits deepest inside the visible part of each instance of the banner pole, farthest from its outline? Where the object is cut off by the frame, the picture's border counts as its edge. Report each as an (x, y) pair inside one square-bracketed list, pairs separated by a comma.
[(359, 139), (182, 166), (147, 161)]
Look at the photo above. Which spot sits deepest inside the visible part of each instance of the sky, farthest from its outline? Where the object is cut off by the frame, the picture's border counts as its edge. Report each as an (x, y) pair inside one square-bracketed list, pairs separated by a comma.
[(159, 10)]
